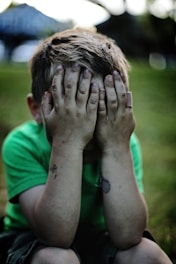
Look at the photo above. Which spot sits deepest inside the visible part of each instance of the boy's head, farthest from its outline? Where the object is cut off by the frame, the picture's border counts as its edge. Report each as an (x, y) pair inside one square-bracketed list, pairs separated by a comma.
[(90, 49)]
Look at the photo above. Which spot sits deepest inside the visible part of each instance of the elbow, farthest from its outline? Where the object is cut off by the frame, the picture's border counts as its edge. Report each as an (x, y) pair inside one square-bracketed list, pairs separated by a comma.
[(129, 233), (56, 234), (127, 240), (129, 236), (55, 237), (64, 241)]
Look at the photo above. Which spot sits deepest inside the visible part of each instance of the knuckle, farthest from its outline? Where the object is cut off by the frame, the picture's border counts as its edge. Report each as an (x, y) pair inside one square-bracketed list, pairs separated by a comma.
[(69, 85), (82, 91), (102, 106), (113, 101), (68, 109), (123, 95), (79, 113), (94, 100)]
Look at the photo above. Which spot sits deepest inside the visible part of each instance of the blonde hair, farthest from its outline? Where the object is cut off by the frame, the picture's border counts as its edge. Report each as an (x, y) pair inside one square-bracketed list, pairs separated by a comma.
[(88, 48)]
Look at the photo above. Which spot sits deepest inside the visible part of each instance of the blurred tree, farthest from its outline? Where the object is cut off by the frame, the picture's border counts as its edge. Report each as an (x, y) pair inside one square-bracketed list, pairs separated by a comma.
[(140, 35)]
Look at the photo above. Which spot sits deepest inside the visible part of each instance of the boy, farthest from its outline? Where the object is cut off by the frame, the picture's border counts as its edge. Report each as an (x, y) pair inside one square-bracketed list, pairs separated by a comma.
[(74, 196)]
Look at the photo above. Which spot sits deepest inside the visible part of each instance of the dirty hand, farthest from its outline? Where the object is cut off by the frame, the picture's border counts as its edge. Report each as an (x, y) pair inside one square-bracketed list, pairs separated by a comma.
[(70, 107), (115, 116)]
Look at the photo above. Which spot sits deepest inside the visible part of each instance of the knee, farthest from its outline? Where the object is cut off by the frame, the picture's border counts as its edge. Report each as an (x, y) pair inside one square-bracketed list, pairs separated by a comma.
[(153, 252), (146, 252), (51, 255)]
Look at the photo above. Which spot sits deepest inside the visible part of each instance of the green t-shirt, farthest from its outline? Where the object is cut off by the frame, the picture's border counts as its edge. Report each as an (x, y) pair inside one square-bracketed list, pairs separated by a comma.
[(26, 155)]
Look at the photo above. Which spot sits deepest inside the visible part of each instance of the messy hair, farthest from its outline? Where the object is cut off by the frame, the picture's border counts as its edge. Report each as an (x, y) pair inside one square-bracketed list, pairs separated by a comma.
[(88, 48)]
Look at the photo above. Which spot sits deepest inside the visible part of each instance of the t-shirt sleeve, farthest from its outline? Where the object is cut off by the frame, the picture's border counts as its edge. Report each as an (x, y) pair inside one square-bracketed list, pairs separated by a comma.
[(23, 168), (137, 161)]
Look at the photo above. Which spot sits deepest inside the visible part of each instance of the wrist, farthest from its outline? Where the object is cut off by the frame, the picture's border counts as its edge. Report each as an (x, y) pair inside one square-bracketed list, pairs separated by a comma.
[(62, 144), (120, 147), (120, 154)]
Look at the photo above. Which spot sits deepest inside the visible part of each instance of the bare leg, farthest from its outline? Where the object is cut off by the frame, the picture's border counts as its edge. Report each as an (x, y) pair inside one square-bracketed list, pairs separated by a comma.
[(146, 252), (52, 255)]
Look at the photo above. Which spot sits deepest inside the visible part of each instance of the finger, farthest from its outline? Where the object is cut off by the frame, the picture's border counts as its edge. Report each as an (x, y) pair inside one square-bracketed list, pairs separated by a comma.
[(92, 104), (83, 89), (57, 86), (46, 103), (120, 90), (98, 79), (102, 113), (129, 103), (71, 80), (122, 76), (112, 102)]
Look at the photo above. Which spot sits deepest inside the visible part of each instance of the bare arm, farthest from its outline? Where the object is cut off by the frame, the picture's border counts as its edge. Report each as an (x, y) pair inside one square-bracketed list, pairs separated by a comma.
[(54, 212), (124, 207)]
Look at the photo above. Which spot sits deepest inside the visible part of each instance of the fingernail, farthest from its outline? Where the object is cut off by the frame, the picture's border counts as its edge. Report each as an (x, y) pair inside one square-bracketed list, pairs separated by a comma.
[(45, 94), (59, 69), (129, 103), (117, 74), (75, 67), (94, 87), (109, 78), (86, 73)]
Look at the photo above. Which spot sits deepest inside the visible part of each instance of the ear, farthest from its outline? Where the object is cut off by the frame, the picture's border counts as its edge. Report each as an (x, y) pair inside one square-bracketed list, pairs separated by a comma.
[(34, 109)]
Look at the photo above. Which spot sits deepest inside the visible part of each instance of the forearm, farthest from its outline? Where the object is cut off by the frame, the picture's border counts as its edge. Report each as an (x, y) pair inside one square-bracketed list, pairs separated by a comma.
[(70, 122), (125, 209), (57, 212)]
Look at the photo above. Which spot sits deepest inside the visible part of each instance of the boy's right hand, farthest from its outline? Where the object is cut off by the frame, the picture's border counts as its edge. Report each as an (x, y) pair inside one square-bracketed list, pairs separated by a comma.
[(116, 120), (70, 107)]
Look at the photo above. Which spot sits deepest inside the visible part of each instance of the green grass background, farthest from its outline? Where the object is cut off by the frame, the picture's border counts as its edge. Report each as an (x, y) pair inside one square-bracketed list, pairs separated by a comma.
[(154, 96)]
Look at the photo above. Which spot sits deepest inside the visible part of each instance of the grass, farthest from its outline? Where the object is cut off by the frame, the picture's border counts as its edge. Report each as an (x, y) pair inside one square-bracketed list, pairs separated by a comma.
[(154, 106)]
